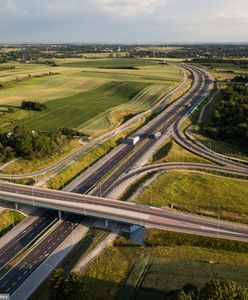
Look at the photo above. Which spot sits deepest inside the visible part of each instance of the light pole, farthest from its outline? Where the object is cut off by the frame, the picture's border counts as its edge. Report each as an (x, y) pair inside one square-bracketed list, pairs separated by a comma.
[(218, 229), (33, 195), (13, 221)]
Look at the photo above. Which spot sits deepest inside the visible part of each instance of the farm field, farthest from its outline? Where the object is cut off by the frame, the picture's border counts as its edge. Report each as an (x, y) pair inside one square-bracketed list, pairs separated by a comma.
[(225, 71), (164, 274), (123, 266), (109, 63), (93, 96), (218, 196), (72, 111)]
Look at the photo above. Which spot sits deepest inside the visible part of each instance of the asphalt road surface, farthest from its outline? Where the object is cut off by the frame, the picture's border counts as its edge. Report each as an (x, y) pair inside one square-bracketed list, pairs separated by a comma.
[(10, 282)]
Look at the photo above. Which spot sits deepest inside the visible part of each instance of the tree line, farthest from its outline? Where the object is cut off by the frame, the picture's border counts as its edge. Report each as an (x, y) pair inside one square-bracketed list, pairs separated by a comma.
[(33, 105), (230, 119), (214, 290)]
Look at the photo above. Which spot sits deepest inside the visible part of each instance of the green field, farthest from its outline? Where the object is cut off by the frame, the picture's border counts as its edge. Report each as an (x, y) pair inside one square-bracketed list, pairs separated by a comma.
[(109, 63), (122, 267), (93, 96), (164, 274), (199, 193), (74, 110), (224, 71)]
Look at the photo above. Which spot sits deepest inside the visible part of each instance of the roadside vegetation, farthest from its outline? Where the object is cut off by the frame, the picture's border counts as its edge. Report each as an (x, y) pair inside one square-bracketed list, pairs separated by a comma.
[(28, 144), (223, 128), (8, 219), (199, 193), (172, 152), (230, 119)]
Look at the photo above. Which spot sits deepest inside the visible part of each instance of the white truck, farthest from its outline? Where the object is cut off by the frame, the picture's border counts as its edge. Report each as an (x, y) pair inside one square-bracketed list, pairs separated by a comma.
[(131, 140)]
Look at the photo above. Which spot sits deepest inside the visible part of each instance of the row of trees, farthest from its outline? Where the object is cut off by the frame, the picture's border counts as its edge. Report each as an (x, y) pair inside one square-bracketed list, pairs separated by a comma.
[(33, 105), (25, 143), (214, 290), (230, 120)]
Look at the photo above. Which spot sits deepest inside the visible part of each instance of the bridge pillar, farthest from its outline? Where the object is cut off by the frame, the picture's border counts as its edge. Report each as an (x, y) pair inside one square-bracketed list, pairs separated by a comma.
[(106, 223), (16, 206), (59, 213), (137, 234)]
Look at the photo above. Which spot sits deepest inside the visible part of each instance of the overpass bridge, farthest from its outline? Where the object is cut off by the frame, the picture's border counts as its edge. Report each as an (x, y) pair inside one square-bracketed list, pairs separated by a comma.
[(124, 212)]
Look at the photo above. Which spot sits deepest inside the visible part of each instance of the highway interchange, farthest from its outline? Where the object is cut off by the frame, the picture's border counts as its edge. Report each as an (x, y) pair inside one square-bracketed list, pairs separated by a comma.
[(168, 120)]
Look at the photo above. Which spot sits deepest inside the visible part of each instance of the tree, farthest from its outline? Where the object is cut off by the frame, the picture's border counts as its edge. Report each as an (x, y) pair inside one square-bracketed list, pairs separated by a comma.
[(56, 285), (74, 289), (226, 290)]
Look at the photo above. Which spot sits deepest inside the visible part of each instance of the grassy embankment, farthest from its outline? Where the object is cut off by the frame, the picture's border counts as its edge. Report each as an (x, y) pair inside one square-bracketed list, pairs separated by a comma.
[(172, 252), (199, 193), (9, 218)]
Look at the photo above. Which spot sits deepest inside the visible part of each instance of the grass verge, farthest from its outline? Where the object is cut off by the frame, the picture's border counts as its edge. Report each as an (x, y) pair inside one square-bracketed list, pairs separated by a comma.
[(199, 193), (8, 219)]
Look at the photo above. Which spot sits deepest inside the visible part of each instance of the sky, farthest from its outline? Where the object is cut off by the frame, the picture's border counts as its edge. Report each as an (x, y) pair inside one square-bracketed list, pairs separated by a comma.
[(123, 21)]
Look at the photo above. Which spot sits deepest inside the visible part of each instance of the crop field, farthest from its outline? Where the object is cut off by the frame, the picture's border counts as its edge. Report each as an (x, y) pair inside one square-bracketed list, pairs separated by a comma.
[(224, 71), (93, 96), (221, 196), (164, 274), (126, 271), (72, 111), (109, 63)]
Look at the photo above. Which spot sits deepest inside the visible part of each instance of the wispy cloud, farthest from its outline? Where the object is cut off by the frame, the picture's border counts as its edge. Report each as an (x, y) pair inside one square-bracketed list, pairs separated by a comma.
[(130, 8)]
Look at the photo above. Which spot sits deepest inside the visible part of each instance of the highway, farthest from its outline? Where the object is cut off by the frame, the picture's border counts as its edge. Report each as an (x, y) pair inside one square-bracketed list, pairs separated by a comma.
[(16, 245), (210, 155), (114, 210), (126, 158), (22, 270), (179, 166)]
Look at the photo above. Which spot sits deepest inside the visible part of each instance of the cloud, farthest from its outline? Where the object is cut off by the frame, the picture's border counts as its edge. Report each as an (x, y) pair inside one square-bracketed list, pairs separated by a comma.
[(124, 20), (130, 8)]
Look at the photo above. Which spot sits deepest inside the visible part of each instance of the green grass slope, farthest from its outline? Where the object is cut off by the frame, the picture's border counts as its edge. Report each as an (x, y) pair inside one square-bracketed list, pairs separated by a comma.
[(74, 110), (198, 192)]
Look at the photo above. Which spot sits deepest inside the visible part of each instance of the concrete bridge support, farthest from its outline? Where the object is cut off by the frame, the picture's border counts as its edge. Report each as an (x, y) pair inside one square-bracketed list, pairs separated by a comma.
[(137, 234), (59, 214), (106, 223), (16, 206)]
